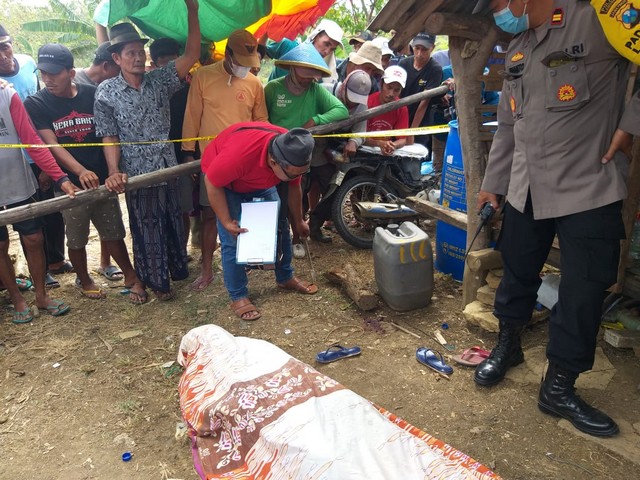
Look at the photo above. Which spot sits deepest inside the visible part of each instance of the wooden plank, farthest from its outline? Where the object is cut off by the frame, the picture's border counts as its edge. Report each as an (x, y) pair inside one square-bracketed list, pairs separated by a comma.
[(473, 27), (485, 259), (433, 210)]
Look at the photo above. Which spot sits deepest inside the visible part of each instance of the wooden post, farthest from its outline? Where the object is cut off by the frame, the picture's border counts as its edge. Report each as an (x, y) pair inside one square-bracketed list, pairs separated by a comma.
[(354, 287), (469, 58)]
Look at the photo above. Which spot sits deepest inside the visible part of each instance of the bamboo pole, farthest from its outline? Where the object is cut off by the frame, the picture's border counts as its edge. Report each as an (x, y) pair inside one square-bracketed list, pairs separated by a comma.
[(84, 197)]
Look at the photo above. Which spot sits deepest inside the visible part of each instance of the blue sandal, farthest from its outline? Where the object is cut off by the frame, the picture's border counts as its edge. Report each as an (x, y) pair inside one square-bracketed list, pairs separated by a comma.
[(336, 352), (25, 316), (433, 360), (58, 308)]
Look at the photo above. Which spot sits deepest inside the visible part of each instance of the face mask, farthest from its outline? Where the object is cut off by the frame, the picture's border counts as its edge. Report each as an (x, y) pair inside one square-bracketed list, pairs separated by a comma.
[(238, 71), (508, 22)]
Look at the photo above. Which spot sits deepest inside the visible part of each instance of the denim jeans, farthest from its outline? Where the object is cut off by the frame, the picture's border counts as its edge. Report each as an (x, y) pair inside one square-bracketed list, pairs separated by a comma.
[(235, 276)]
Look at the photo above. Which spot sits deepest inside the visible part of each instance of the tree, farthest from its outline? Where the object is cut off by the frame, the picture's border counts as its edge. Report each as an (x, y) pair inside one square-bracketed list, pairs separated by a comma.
[(354, 15)]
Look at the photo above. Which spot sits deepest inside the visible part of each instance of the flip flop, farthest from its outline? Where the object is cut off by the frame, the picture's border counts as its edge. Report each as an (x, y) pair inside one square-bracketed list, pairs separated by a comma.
[(199, 284), (25, 316), (471, 357), (337, 352), (243, 306), (66, 267), (97, 294), (50, 282), (300, 286), (137, 298), (111, 273), (58, 308), (434, 360), (23, 284)]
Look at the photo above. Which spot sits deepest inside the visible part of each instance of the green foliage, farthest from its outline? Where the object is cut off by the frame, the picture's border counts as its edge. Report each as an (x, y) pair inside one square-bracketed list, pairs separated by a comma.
[(354, 15)]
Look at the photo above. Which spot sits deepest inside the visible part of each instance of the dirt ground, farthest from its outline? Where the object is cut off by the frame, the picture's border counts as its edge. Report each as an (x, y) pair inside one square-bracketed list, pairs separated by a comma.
[(75, 395)]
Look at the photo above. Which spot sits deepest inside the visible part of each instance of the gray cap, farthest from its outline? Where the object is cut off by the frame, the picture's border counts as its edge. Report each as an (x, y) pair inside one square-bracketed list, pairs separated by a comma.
[(294, 147), (481, 5)]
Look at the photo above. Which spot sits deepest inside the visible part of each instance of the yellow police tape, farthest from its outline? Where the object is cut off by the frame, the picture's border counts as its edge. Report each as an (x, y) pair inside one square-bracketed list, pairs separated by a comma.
[(387, 133)]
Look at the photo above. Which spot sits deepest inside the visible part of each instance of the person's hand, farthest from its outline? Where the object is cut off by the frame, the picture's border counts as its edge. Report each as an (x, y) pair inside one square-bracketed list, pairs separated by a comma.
[(302, 229), (451, 83), (349, 149), (621, 142), (44, 181), (387, 147), (234, 228), (310, 123), (484, 197), (116, 182), (89, 180), (69, 188), (191, 5)]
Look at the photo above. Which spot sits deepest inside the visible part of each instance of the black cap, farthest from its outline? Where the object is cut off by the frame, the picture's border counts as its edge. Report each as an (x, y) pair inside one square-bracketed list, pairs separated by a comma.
[(293, 148), (481, 5), (103, 54), (53, 58), (425, 39), (4, 35), (123, 33)]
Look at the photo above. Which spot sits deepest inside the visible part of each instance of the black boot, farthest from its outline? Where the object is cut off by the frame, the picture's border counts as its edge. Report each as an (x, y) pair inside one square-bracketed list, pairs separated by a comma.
[(558, 397), (315, 231), (507, 353)]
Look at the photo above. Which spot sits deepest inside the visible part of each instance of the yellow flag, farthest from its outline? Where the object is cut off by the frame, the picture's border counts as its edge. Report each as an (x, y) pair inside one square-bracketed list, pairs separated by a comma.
[(620, 20)]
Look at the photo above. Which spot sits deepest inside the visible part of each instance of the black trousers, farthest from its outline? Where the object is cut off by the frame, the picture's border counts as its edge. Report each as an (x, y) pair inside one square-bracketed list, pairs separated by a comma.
[(590, 250), (53, 226), (322, 175)]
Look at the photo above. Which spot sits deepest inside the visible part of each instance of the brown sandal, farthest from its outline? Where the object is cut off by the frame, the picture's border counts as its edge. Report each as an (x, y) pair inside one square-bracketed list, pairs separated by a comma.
[(243, 306), (300, 286)]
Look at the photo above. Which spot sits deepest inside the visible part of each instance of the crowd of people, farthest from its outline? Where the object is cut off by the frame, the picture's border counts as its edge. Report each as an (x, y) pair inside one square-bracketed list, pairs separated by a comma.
[(134, 99)]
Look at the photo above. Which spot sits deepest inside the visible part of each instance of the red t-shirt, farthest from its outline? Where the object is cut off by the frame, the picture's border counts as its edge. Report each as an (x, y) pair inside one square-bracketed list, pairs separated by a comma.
[(393, 120), (237, 158)]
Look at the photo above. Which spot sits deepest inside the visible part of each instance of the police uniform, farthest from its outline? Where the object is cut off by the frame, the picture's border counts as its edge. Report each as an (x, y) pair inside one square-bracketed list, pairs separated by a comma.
[(561, 102)]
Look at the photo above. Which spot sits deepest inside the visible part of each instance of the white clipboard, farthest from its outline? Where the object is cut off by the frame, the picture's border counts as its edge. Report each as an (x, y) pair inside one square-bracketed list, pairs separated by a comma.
[(258, 245)]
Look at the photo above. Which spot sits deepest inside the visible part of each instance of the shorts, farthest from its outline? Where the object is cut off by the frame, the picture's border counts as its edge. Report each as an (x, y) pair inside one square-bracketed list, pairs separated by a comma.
[(105, 215), (185, 184), (25, 227), (204, 199)]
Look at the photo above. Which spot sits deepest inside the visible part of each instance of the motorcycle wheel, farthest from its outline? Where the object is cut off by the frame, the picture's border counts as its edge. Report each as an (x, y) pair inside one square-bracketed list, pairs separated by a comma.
[(354, 231)]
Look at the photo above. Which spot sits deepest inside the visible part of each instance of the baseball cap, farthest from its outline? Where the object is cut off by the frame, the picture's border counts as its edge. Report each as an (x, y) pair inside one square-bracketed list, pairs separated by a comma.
[(245, 48), (102, 53), (395, 73), (53, 58), (357, 86), (425, 39), (331, 28), (368, 53), (4, 35), (293, 148), (481, 5), (362, 37), (383, 43)]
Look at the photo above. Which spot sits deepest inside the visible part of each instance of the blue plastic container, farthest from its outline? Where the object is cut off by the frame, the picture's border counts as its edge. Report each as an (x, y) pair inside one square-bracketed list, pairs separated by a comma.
[(451, 242)]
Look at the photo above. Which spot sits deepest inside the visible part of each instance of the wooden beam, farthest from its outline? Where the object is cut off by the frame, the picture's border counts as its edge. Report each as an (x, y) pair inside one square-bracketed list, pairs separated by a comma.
[(411, 21), (473, 27), (485, 259), (434, 210)]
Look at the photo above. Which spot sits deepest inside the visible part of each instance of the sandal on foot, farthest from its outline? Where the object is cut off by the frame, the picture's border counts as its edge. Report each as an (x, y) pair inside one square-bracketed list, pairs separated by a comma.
[(434, 360), (336, 352), (200, 283), (22, 317), (244, 306), (96, 294), (23, 284), (50, 282), (66, 267), (300, 286), (137, 298), (57, 308), (111, 273)]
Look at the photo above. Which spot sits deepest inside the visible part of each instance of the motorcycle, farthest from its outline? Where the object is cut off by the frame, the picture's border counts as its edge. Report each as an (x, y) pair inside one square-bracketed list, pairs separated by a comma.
[(368, 191)]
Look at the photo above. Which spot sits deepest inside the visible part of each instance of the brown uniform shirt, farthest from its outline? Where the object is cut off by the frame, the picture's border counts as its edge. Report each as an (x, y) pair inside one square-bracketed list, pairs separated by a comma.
[(561, 102)]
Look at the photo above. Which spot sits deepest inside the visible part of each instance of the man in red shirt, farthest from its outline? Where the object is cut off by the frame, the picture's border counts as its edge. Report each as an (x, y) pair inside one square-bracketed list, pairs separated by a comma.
[(247, 161), (393, 81)]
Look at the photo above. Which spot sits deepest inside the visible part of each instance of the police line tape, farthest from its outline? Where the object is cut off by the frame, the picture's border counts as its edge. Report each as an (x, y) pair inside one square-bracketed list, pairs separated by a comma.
[(432, 130)]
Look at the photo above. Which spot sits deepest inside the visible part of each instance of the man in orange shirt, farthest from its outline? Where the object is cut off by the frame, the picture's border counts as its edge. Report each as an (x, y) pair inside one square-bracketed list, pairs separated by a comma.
[(220, 95)]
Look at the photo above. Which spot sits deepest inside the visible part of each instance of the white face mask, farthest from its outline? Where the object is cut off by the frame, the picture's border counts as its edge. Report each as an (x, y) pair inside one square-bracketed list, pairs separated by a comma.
[(240, 72)]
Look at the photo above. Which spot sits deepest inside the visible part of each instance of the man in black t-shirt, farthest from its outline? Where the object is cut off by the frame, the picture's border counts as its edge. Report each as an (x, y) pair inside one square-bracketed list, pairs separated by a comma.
[(63, 113), (423, 73)]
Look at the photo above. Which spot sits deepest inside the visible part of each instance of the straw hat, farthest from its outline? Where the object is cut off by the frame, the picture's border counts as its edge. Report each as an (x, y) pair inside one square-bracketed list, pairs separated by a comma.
[(304, 55)]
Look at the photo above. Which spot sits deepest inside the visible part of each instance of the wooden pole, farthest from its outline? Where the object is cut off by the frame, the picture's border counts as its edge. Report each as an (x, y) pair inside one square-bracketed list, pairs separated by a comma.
[(38, 209), (437, 211)]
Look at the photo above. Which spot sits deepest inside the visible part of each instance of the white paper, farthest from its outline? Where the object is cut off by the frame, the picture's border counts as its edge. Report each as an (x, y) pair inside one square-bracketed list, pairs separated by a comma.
[(258, 245)]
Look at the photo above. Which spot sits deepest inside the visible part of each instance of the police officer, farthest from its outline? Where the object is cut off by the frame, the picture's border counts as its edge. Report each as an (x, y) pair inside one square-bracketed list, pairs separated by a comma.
[(560, 156)]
